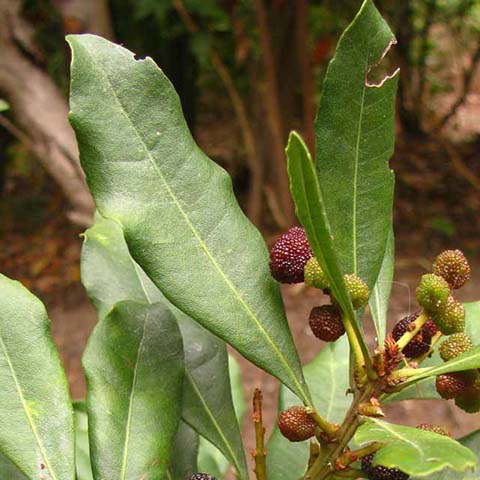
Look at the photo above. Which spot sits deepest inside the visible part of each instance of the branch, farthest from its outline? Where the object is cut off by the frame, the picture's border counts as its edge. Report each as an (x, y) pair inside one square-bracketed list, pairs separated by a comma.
[(259, 454), (467, 84)]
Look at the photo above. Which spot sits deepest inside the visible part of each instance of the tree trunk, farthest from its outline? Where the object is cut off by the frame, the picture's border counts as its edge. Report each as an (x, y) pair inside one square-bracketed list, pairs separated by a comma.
[(40, 111)]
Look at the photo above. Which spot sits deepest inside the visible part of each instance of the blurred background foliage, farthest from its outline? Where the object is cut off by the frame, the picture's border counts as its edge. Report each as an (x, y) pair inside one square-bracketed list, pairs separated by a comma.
[(247, 72)]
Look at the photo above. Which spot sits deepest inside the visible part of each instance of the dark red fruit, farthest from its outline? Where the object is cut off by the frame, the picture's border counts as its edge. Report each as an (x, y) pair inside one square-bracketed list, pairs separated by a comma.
[(418, 345), (296, 424), (326, 323), (451, 385), (430, 327), (434, 428), (201, 476), (378, 472), (289, 255)]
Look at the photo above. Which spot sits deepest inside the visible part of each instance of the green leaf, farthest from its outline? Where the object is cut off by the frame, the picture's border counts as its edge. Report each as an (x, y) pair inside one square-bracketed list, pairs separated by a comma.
[(472, 442), (82, 446), (310, 211), (134, 369), (181, 221), (111, 275), (4, 106), (381, 292), (354, 132), (184, 453), (414, 451), (9, 471), (36, 415), (328, 378), (423, 387)]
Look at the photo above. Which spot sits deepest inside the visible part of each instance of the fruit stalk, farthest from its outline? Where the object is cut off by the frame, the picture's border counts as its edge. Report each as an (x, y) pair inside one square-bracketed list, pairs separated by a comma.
[(259, 455), (405, 339), (330, 429)]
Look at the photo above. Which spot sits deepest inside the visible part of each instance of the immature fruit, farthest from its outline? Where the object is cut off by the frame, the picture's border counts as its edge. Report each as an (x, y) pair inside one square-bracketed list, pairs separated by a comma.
[(381, 473), (357, 289), (314, 275), (432, 293), (296, 425), (326, 323), (201, 476), (451, 385), (455, 345), (469, 404), (452, 318), (289, 255), (419, 344), (434, 428), (453, 267)]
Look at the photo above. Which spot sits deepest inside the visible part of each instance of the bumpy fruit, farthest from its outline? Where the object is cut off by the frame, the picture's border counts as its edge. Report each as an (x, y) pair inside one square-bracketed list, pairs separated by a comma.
[(201, 476), (289, 255), (451, 385), (357, 289), (326, 323), (378, 472), (469, 404), (430, 327), (452, 318), (314, 276), (419, 344), (453, 267), (435, 429), (455, 345), (432, 293), (296, 425)]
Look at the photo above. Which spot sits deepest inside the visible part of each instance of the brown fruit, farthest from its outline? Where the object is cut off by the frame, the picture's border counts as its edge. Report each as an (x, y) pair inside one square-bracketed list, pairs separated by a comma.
[(326, 323), (296, 425)]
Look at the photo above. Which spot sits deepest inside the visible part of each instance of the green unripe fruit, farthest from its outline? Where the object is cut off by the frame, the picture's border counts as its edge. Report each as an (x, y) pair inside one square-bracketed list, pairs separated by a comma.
[(453, 267), (451, 319), (469, 404), (314, 276), (432, 293), (357, 289), (455, 345)]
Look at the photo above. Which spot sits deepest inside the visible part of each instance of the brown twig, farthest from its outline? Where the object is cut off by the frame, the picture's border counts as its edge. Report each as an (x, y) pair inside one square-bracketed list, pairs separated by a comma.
[(259, 454)]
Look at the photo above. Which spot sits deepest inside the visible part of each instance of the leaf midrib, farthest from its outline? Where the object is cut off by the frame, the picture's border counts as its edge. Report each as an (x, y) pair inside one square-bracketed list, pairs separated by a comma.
[(131, 401), (202, 244), (31, 423)]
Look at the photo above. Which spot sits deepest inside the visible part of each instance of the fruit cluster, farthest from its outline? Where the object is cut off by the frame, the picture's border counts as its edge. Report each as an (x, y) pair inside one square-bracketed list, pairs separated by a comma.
[(292, 261)]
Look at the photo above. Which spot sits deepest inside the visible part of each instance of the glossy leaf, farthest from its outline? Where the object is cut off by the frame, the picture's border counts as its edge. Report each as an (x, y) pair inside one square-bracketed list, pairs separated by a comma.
[(354, 138), (311, 213), (425, 388), (328, 378), (111, 275), (177, 208), (134, 369), (36, 415), (472, 442), (183, 460), (415, 451), (82, 446), (381, 292)]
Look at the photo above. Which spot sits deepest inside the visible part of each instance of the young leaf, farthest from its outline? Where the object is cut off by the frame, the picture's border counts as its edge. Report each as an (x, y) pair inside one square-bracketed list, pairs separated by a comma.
[(415, 451), (183, 460), (354, 138), (381, 292), (177, 207), (328, 378), (472, 442), (134, 369), (111, 275), (311, 213), (36, 415)]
